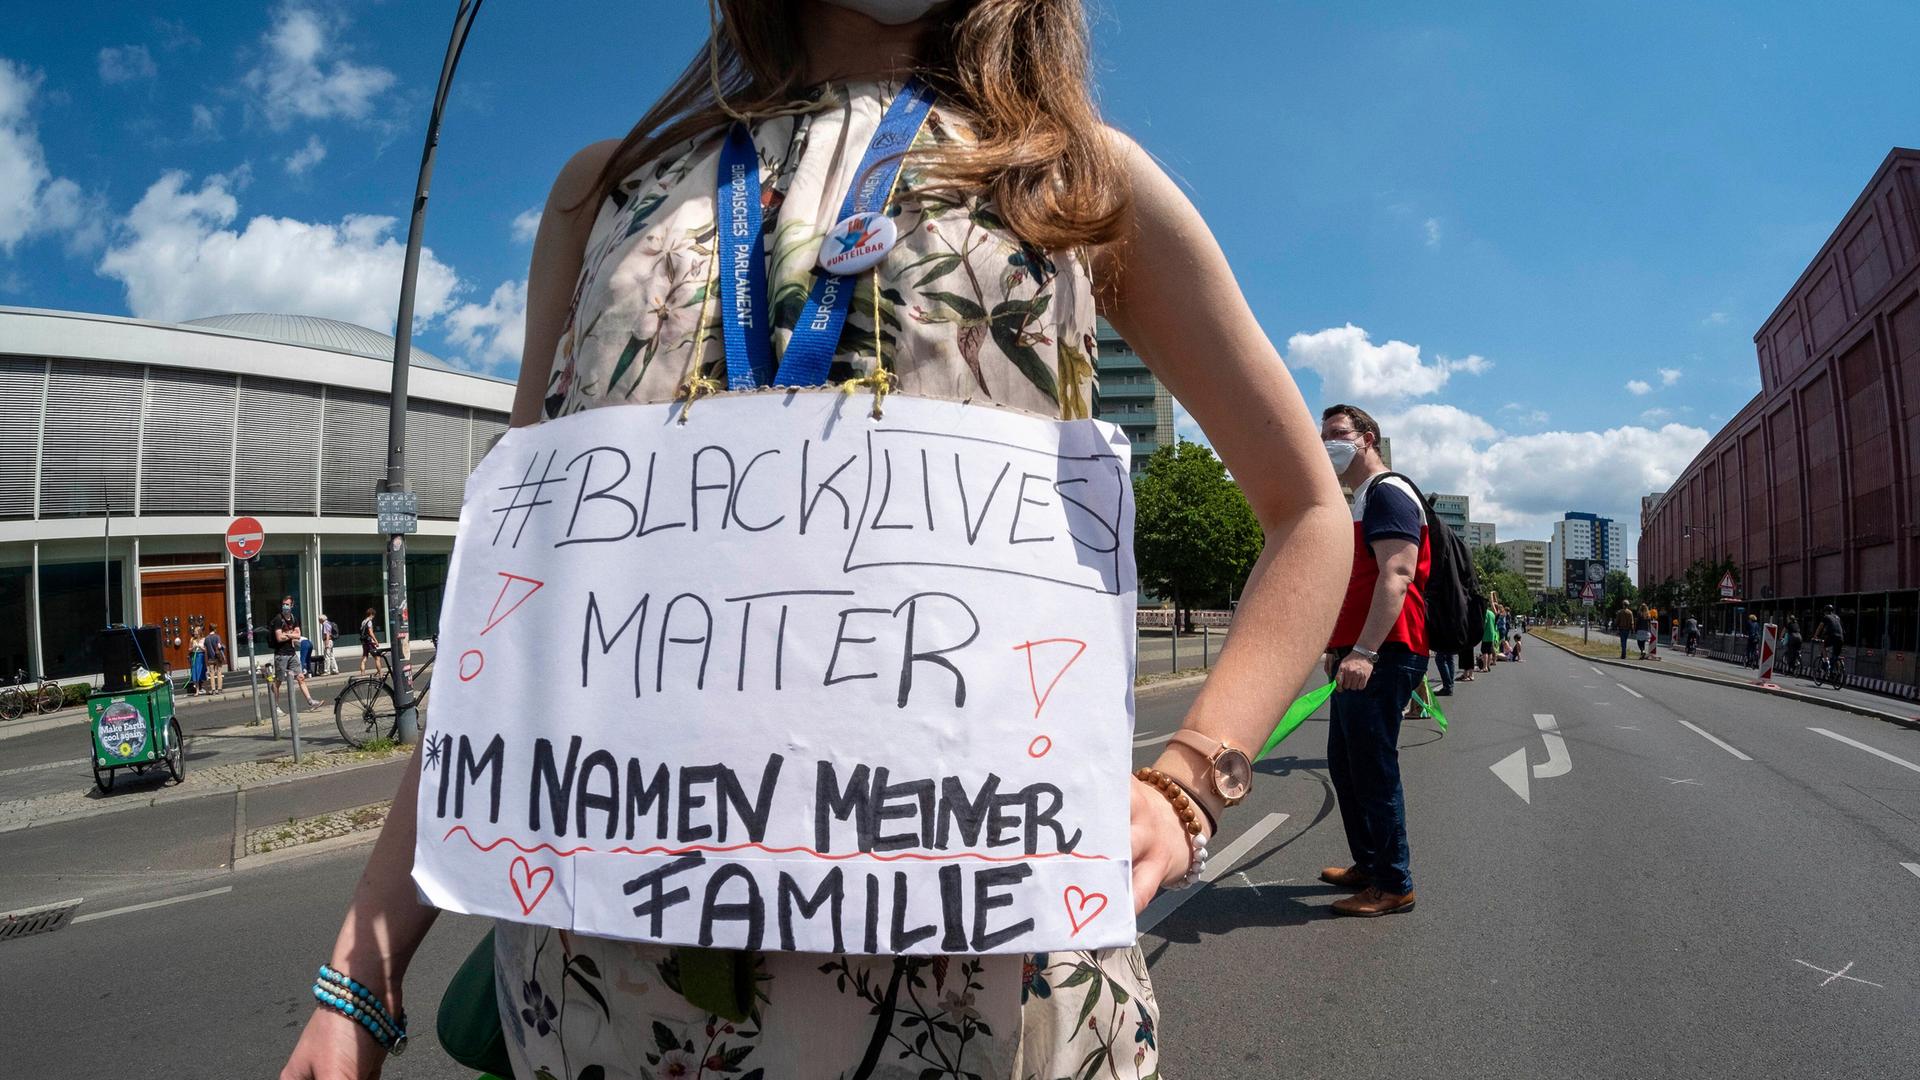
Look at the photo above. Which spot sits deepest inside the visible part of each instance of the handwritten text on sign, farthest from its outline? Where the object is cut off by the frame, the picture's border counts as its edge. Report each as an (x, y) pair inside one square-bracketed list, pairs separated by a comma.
[(788, 677)]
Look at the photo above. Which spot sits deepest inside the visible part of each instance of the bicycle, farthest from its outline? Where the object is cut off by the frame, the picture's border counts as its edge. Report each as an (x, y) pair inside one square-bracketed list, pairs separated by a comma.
[(369, 704), (26, 694), (1832, 671)]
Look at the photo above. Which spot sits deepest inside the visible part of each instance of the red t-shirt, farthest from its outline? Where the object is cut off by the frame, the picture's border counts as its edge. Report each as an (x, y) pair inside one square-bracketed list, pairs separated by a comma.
[(1384, 508)]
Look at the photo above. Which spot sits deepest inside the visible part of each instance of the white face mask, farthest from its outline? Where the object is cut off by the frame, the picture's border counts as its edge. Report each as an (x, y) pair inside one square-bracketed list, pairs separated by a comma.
[(1341, 452), (890, 12)]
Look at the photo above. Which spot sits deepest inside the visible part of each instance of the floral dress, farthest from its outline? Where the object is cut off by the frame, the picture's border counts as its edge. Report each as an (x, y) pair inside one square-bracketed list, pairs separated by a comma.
[(959, 310)]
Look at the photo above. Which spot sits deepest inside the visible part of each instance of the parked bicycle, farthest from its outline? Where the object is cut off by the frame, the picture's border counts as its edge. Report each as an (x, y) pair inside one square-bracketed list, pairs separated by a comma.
[(368, 707), (26, 694)]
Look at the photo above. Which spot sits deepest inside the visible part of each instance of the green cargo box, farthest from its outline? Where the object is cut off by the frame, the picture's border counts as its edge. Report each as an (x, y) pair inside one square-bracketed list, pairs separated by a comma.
[(135, 729)]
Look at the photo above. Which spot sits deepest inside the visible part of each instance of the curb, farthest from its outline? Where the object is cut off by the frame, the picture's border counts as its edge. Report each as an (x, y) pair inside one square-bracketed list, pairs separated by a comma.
[(1154, 688), (161, 799), (1792, 695), (302, 851)]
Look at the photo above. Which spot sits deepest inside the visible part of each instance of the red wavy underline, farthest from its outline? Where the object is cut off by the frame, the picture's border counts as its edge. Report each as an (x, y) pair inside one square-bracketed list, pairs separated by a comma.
[(724, 848)]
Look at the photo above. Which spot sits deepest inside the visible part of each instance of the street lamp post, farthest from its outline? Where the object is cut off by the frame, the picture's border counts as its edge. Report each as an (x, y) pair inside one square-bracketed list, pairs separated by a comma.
[(398, 509)]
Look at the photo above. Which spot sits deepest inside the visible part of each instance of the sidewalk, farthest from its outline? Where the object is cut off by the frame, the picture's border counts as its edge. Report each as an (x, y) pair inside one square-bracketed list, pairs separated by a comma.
[(1605, 649)]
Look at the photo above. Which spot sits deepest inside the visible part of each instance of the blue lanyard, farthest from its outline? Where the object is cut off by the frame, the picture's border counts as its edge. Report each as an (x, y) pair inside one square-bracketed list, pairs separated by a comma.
[(745, 310)]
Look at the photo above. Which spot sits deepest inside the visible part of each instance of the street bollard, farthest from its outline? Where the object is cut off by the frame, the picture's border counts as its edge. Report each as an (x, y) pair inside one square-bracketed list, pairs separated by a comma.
[(1175, 664), (273, 707), (1206, 647), (293, 715)]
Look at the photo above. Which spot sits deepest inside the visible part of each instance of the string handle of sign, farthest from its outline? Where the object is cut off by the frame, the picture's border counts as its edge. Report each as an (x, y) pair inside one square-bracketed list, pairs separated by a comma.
[(858, 240)]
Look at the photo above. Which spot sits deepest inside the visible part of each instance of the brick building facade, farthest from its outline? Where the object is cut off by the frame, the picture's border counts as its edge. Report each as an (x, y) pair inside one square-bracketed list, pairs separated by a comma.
[(1812, 488)]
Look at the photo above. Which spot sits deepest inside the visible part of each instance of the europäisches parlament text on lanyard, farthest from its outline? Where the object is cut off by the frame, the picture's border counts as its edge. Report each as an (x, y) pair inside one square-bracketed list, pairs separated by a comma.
[(858, 241)]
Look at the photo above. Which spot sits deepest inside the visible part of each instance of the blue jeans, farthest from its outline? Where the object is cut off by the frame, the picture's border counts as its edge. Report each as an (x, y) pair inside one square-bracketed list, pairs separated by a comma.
[(1623, 643), (1363, 761), (1444, 662)]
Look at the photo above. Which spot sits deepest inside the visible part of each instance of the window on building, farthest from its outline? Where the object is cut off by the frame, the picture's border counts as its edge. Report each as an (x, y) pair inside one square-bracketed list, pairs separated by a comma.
[(352, 583), (274, 576), (75, 598), (426, 586), (16, 584)]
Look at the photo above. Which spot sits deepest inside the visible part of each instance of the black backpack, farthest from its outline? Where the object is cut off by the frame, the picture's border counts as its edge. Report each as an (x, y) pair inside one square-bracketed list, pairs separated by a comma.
[(1456, 608)]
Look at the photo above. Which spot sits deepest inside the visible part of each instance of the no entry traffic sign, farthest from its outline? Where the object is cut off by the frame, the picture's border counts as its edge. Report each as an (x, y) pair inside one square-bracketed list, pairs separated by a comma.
[(245, 538)]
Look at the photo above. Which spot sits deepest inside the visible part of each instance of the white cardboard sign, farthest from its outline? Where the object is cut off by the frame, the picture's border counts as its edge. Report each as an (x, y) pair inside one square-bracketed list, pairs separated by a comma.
[(788, 677)]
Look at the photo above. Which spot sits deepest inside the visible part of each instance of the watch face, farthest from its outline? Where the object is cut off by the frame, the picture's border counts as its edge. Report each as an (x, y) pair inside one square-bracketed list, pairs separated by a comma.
[(1596, 572), (1232, 775)]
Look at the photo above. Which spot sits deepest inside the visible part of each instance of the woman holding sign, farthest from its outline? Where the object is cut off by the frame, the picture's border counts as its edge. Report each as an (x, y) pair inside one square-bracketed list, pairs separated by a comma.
[(925, 203)]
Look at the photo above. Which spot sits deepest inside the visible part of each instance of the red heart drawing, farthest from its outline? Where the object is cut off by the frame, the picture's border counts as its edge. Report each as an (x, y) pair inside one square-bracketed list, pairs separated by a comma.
[(522, 870), (1097, 901)]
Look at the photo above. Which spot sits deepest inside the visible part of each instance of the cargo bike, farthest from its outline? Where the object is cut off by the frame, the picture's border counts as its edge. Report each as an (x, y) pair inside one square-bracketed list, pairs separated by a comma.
[(133, 721)]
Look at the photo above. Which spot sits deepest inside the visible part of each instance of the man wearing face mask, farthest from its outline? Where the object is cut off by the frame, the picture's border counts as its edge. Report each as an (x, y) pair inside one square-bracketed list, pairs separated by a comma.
[(286, 633), (1377, 655)]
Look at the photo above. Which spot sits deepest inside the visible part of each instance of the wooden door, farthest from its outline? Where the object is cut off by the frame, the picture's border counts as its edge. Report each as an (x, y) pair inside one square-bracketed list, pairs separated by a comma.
[(182, 603)]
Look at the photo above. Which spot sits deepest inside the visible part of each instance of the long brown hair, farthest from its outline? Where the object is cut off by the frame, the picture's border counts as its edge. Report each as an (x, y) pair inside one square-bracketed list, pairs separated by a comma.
[(1014, 70)]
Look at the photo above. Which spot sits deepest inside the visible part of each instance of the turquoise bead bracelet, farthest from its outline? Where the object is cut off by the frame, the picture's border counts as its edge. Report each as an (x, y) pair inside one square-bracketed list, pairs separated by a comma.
[(339, 992)]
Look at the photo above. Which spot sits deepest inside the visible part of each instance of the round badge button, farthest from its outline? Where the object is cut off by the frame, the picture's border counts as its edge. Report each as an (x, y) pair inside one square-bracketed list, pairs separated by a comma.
[(857, 242)]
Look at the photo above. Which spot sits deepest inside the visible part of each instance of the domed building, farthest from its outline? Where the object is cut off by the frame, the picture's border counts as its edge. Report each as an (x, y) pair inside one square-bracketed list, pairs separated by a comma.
[(126, 446)]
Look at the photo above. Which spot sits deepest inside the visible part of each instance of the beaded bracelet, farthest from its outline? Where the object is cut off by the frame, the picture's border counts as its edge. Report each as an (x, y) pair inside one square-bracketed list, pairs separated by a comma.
[(1189, 815), (341, 993)]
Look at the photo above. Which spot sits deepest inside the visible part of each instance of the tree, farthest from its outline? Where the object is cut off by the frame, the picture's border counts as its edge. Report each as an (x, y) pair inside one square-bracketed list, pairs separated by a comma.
[(1195, 536), (1700, 588), (1618, 588), (1488, 561), (1512, 588)]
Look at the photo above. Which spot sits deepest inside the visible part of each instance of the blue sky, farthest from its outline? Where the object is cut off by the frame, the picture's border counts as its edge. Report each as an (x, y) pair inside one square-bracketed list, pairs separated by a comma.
[(1489, 223)]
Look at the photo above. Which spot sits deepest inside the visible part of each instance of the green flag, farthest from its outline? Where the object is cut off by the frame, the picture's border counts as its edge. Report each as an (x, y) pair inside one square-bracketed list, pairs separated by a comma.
[(1297, 714)]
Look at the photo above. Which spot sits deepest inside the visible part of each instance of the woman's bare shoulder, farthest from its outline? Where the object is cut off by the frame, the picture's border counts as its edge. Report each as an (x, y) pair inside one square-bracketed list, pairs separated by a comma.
[(578, 176)]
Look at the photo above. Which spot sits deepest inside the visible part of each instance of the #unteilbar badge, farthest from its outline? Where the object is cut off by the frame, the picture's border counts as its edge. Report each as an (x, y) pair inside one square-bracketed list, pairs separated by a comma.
[(857, 242)]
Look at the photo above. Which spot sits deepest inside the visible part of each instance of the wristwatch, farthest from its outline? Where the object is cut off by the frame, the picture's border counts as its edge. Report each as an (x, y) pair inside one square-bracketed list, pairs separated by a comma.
[(1367, 654), (1231, 770)]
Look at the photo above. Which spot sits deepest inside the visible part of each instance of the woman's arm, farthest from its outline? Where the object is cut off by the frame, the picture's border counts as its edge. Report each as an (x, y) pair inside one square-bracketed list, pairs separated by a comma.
[(386, 921), (1167, 288)]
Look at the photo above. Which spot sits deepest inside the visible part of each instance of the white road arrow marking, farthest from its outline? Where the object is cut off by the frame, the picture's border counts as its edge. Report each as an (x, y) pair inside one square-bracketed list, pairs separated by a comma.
[(1512, 771), (1558, 763)]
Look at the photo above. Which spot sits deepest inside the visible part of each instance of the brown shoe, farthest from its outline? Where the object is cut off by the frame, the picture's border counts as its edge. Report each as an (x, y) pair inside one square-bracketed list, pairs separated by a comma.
[(1347, 877), (1371, 902)]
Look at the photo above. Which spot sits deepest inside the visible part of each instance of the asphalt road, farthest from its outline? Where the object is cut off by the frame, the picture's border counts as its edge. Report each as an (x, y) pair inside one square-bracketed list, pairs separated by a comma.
[(1660, 908)]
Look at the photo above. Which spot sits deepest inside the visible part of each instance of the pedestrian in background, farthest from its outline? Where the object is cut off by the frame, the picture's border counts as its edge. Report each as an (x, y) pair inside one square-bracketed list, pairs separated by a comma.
[(1793, 642), (287, 635), (329, 665), (369, 643), (306, 654), (196, 661), (1443, 661), (1623, 625), (216, 650), (1489, 632), (1653, 632), (1753, 641)]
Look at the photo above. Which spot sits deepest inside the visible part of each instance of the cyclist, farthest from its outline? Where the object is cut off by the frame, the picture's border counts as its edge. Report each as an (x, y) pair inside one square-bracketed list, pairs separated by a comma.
[(1794, 641), (1834, 634), (1693, 634)]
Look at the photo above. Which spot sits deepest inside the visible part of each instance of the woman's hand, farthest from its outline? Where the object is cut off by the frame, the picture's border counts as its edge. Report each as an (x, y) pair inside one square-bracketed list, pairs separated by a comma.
[(1160, 850), (334, 1048)]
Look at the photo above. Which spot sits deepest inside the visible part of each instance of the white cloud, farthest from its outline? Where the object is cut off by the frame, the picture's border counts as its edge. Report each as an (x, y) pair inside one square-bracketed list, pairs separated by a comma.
[(1351, 366), (307, 156), (492, 333), (1716, 318), (1525, 415), (1669, 376), (1655, 416), (525, 225), (125, 63), (1638, 386), (1432, 226), (294, 81), (32, 200), (178, 259), (1524, 483)]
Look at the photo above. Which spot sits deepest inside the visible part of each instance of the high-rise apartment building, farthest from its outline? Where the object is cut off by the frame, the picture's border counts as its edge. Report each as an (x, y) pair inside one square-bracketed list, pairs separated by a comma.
[(1479, 534), (1584, 547), (1130, 396), (1452, 509), (1528, 558)]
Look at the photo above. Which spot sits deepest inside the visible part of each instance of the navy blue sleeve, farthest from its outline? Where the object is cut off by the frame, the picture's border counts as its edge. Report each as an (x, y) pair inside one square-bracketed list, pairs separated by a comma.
[(1391, 514)]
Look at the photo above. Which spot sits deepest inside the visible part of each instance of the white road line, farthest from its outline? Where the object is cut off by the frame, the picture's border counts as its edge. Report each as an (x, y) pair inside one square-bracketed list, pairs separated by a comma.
[(43, 766), (151, 904), (1168, 902), (1875, 751), (1630, 690), (1714, 739), (1558, 762), (1913, 867), (1597, 671)]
